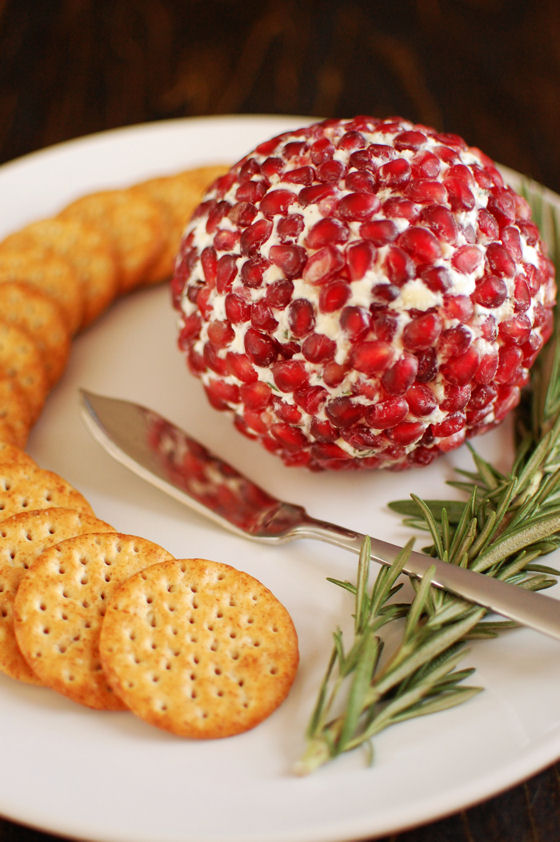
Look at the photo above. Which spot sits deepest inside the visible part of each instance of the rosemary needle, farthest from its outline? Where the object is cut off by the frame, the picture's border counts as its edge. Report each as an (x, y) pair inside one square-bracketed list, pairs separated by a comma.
[(506, 523)]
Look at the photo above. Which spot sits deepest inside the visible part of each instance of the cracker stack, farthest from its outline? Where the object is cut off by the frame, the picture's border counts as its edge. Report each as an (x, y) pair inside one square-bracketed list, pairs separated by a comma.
[(109, 620)]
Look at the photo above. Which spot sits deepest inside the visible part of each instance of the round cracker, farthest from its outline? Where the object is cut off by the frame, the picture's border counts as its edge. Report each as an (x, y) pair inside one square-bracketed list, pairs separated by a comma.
[(59, 606), (39, 314), (24, 488), (87, 249), (15, 409), (198, 648), (21, 359), (133, 224), (22, 259), (24, 537), (13, 455), (179, 194)]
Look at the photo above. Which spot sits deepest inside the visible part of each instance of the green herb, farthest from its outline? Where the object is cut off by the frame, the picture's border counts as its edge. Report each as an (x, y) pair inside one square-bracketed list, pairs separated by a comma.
[(507, 522)]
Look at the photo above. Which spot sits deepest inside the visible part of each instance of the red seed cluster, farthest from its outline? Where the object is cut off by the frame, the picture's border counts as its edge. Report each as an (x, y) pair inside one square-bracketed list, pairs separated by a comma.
[(363, 293)]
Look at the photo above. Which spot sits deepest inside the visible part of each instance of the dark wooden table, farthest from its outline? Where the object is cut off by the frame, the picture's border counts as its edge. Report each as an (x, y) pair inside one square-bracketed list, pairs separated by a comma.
[(486, 69)]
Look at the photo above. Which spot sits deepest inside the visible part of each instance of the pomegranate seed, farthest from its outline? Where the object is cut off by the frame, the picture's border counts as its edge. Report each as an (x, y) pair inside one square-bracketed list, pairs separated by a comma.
[(490, 291), (252, 271), (355, 322), (426, 191), (331, 171), (488, 224), (261, 316), (460, 370), (277, 202), (240, 366), (250, 191), (394, 173), (289, 375), (500, 261), (260, 348), (397, 207), (279, 293), (516, 330), (301, 317), (454, 341), (254, 236), (225, 240), (322, 150), (271, 166), (209, 262), (425, 165), (220, 333), (289, 436), (334, 374), (441, 222), (387, 413), (213, 360), (450, 426), (421, 400), (371, 357), (510, 363), (398, 379), (327, 231), (290, 227), (361, 437), (289, 258), (360, 181), (300, 175), (398, 265), (420, 244), (422, 332), (342, 412), (351, 140), (379, 231), (322, 265), (316, 193), (311, 398), (323, 431), (221, 394), (512, 241), (456, 398), (467, 259), (357, 206), (436, 278), (427, 365), (237, 309), (256, 396), (407, 432), (318, 348), (333, 296), (458, 307), (508, 398), (190, 329), (359, 258), (487, 368), (410, 139), (242, 214), (203, 301), (226, 270), (459, 195)]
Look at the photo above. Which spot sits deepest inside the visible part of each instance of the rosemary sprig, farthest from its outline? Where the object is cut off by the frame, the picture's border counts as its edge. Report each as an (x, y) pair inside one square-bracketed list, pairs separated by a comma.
[(506, 523)]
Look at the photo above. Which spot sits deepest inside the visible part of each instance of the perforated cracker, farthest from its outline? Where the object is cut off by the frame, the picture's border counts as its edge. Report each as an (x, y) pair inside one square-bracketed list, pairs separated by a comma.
[(133, 224), (23, 259), (198, 648), (59, 606), (23, 538), (15, 409), (13, 455), (21, 359), (39, 314), (87, 249), (24, 488)]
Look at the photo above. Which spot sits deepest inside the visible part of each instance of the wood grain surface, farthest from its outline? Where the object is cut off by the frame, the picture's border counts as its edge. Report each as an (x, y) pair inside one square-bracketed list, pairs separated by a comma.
[(486, 69)]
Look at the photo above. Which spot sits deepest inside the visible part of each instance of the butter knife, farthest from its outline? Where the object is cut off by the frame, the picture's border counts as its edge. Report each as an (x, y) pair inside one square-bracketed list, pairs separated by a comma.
[(164, 455)]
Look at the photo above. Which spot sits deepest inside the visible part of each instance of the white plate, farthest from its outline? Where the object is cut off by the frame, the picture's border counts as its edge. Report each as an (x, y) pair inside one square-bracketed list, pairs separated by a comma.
[(108, 776)]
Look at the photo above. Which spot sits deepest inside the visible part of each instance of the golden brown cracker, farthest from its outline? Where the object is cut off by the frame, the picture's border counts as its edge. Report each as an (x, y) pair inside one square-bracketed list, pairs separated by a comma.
[(22, 259), (134, 225), (179, 195), (23, 538), (24, 488), (59, 607), (198, 648), (21, 359), (15, 409), (88, 250), (40, 315), (13, 455)]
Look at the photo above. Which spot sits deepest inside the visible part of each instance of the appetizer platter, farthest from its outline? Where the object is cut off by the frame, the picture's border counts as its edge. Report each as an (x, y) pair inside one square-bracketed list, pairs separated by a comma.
[(101, 774)]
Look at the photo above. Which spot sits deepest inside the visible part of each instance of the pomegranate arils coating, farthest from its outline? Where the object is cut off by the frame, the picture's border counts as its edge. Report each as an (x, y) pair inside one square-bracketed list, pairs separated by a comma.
[(362, 293)]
